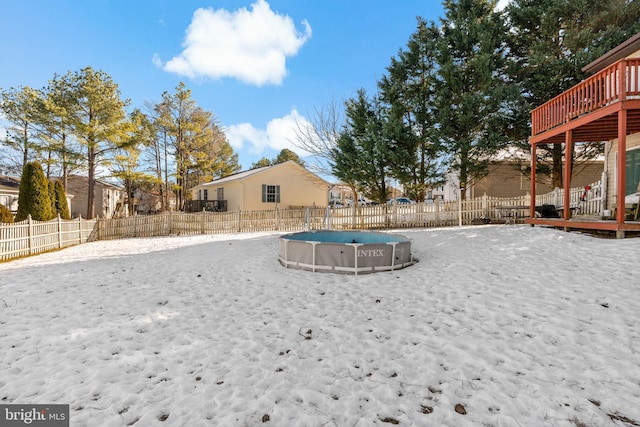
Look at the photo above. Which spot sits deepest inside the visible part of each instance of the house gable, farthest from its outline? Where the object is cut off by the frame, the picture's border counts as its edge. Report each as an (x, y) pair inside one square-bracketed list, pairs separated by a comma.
[(284, 185)]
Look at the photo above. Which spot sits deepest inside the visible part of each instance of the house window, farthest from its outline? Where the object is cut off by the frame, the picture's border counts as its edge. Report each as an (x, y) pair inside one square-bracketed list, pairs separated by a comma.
[(270, 193), (206, 195), (220, 194)]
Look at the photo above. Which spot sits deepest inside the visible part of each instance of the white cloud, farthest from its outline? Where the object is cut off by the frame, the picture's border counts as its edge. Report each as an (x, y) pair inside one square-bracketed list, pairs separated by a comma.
[(249, 45), (279, 134)]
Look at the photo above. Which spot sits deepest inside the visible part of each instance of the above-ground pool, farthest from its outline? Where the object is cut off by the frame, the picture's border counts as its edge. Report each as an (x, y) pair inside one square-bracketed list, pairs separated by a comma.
[(346, 252)]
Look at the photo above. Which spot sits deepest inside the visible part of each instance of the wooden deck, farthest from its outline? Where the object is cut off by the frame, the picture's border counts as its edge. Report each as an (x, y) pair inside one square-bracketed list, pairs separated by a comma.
[(589, 108), (604, 107), (619, 230)]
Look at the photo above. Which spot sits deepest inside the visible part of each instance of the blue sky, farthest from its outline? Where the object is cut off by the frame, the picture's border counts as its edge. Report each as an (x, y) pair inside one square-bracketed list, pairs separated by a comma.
[(257, 65)]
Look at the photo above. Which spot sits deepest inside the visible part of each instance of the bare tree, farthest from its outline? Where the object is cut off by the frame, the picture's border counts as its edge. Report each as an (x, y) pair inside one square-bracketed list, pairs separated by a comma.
[(318, 136)]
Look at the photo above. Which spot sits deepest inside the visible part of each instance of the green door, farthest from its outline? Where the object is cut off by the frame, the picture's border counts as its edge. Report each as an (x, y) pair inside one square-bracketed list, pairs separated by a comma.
[(633, 171)]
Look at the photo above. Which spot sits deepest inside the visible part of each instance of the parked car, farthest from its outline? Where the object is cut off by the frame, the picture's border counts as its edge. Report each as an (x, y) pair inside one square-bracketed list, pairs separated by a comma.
[(401, 201), (361, 201)]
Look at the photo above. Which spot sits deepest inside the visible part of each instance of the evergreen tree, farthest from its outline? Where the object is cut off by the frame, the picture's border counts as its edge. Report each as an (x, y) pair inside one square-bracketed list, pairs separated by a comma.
[(285, 155), (97, 120), (473, 97), (199, 146), (60, 200), (33, 196), (5, 215), (408, 90), (263, 162), (19, 106), (362, 155)]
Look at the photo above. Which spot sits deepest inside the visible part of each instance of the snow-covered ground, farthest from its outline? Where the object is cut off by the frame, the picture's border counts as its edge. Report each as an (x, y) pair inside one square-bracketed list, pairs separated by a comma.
[(494, 326)]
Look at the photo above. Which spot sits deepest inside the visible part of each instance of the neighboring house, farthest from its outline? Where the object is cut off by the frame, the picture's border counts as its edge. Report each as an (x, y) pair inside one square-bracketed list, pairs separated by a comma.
[(109, 200), (603, 108), (9, 189), (505, 178), (283, 185), (147, 201)]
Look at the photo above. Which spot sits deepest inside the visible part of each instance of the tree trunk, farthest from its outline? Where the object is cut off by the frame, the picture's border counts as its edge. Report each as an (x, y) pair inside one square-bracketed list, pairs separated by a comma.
[(92, 182), (556, 171)]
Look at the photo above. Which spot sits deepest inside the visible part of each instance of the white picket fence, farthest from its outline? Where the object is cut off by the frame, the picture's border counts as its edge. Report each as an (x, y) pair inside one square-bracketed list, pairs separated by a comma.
[(31, 237)]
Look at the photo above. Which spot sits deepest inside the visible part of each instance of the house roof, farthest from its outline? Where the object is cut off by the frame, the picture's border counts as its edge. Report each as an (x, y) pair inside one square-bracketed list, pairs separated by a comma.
[(9, 184), (245, 174), (617, 53), (85, 180)]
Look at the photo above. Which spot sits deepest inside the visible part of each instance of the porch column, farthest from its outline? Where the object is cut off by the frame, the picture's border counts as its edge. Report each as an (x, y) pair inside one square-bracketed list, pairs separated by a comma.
[(532, 207), (568, 153), (621, 167)]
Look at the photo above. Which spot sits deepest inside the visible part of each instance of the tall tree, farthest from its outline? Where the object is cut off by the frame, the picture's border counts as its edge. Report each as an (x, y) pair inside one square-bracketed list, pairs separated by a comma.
[(362, 155), (62, 151), (20, 107), (158, 150), (473, 97), (408, 91), (98, 120), (550, 42), (126, 166), (318, 136), (198, 143), (33, 195)]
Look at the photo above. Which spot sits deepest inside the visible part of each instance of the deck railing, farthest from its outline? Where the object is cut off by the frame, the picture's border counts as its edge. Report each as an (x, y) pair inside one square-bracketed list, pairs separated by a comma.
[(615, 83)]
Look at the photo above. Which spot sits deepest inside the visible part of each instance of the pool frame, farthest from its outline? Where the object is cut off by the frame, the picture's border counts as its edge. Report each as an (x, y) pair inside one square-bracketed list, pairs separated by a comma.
[(345, 258)]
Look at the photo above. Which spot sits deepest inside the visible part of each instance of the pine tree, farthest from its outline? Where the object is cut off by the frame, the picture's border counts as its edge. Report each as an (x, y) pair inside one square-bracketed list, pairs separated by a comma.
[(408, 90), (473, 95), (362, 155), (33, 196)]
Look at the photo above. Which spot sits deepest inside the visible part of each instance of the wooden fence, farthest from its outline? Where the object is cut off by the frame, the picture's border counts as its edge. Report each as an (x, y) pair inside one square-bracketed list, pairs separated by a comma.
[(31, 237)]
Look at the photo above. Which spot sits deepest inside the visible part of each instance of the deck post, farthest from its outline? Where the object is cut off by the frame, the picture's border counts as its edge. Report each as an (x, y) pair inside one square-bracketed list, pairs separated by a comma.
[(621, 167), (532, 205), (568, 155)]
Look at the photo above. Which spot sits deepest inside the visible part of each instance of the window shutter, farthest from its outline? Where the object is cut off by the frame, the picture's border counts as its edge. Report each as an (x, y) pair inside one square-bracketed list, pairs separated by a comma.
[(277, 194), (264, 193)]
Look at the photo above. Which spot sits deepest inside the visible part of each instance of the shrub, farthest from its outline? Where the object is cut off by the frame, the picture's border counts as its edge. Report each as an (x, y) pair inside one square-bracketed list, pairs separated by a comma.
[(5, 214), (60, 201), (33, 198)]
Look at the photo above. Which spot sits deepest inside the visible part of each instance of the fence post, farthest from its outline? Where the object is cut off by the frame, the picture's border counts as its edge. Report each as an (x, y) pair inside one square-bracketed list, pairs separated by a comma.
[(30, 231), (59, 231), (80, 228), (202, 222), (485, 205), (170, 223), (239, 220), (277, 224)]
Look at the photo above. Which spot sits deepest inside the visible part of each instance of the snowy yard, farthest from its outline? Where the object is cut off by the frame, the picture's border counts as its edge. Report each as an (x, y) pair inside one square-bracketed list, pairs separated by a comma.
[(494, 326)]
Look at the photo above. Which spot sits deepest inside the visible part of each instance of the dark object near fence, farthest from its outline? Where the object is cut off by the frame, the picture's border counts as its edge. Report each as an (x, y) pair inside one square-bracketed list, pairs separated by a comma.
[(547, 211)]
